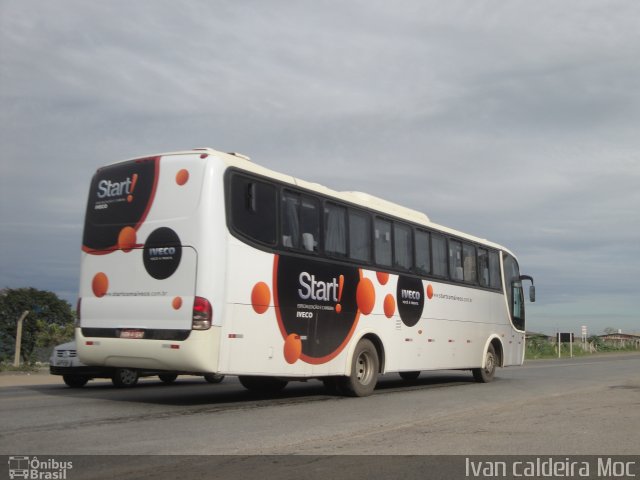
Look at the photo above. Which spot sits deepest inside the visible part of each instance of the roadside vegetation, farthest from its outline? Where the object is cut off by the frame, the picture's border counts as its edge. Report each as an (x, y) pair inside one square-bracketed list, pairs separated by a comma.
[(47, 321), (540, 346)]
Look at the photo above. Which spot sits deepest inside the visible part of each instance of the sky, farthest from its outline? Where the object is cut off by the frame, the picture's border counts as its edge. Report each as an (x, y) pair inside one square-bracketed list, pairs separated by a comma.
[(513, 121)]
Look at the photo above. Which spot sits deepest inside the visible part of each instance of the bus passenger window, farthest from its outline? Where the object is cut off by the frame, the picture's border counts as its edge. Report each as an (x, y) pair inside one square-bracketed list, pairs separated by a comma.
[(335, 234), (483, 267), (439, 250), (455, 260), (495, 280), (253, 209), (403, 246), (383, 242), (310, 223), (422, 252), (469, 263), (359, 236), (300, 222)]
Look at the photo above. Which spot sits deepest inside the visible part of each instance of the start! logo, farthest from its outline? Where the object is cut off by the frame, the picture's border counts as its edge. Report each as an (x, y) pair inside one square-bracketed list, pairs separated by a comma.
[(108, 189)]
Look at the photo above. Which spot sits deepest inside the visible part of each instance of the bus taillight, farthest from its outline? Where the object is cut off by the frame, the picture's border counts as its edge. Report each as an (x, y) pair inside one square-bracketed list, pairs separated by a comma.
[(202, 314)]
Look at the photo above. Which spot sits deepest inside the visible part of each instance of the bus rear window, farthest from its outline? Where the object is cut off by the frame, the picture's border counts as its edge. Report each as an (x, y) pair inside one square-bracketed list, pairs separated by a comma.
[(120, 195)]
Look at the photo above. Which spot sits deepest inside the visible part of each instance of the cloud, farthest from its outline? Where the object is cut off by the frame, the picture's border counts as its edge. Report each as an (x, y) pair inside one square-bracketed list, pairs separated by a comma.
[(513, 121)]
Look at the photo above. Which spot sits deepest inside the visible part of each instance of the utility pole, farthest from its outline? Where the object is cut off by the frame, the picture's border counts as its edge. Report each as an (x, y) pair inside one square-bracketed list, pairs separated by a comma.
[(16, 360)]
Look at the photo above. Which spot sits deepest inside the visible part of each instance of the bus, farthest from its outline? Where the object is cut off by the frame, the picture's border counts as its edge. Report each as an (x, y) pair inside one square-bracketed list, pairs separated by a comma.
[(203, 261)]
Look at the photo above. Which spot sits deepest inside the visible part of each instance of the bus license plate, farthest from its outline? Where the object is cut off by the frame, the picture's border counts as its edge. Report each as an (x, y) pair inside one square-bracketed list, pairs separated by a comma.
[(132, 334)]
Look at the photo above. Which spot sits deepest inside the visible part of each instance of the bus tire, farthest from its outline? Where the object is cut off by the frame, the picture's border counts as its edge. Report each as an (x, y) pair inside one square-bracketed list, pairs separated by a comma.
[(124, 377), (409, 376), (486, 374), (168, 378), (262, 384), (213, 377), (75, 381), (364, 371)]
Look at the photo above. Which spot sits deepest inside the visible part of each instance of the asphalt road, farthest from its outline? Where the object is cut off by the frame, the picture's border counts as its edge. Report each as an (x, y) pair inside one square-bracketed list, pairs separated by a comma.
[(586, 406)]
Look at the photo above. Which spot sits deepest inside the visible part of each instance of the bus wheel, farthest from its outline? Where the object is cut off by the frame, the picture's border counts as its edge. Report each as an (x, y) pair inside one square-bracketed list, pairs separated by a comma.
[(75, 381), (409, 375), (213, 377), (168, 378), (124, 377), (364, 371), (486, 374), (262, 384)]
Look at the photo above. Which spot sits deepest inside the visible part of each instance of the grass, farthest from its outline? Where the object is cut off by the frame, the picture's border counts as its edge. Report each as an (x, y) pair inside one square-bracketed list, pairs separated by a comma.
[(539, 348), (27, 368)]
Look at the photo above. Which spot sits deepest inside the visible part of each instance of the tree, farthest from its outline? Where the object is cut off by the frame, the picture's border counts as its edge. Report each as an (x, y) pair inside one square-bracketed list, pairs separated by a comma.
[(47, 314)]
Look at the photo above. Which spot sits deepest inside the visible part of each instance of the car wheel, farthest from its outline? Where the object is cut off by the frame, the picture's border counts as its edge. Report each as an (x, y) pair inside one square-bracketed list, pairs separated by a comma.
[(75, 381), (168, 378), (124, 377), (213, 377)]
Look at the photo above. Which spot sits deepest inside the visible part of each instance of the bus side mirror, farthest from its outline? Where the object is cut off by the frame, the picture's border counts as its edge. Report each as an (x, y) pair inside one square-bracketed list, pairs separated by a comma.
[(532, 288)]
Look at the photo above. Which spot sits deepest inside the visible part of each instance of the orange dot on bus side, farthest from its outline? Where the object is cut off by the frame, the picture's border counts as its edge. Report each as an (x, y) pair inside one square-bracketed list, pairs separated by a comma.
[(100, 284), (383, 277), (389, 306), (429, 292), (182, 177), (365, 296), (260, 297), (127, 239), (177, 303), (292, 348)]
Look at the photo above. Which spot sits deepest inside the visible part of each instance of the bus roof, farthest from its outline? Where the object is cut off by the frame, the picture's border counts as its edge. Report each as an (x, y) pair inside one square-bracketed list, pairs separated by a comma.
[(365, 200)]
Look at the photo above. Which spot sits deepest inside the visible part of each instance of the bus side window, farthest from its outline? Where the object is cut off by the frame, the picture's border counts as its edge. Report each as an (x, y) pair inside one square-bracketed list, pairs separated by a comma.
[(469, 263), (253, 209), (495, 280), (423, 264), (335, 229), (403, 246), (455, 260), (518, 303), (439, 251), (383, 242), (359, 236), (483, 267), (300, 222)]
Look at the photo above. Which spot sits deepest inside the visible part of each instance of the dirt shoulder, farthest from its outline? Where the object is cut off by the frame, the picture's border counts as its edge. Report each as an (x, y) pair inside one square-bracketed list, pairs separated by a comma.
[(38, 377)]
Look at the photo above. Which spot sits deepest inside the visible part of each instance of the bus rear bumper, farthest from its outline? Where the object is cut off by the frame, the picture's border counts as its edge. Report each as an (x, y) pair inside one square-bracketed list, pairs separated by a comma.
[(198, 353)]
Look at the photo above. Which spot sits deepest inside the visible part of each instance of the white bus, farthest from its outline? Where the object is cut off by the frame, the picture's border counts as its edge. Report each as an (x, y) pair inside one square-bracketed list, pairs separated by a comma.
[(202, 261)]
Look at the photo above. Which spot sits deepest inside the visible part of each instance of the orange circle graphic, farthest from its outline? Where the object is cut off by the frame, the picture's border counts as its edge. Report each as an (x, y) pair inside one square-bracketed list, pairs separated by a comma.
[(383, 277), (429, 292), (292, 348), (365, 296), (177, 303), (182, 177), (100, 284), (389, 306), (260, 297), (127, 239)]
